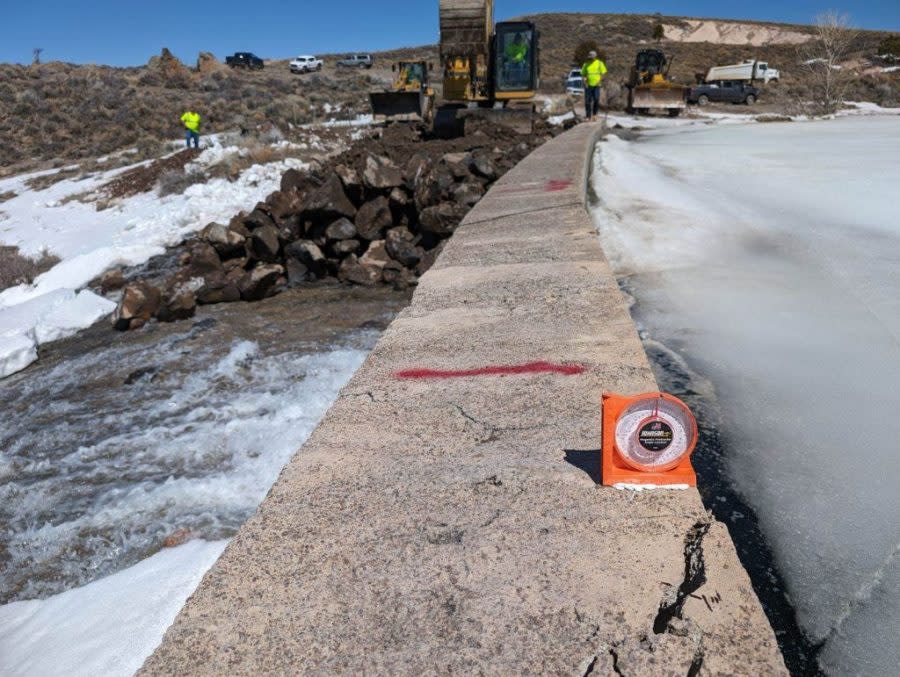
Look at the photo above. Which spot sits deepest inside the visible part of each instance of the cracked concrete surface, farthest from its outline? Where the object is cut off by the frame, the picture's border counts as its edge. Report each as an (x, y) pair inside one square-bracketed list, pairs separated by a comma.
[(455, 526)]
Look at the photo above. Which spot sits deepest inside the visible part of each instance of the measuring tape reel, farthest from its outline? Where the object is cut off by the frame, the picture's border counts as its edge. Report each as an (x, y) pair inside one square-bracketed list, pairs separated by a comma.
[(648, 440)]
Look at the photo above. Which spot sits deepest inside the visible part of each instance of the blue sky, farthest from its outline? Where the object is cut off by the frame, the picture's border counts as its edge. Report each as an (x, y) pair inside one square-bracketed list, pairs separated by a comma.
[(128, 33)]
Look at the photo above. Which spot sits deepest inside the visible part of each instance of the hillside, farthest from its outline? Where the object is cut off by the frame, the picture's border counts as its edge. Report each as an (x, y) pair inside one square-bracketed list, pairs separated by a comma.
[(697, 44), (59, 112)]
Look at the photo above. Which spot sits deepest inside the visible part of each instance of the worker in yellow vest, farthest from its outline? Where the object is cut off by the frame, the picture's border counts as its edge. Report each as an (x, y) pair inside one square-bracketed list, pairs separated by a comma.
[(592, 73), (191, 122)]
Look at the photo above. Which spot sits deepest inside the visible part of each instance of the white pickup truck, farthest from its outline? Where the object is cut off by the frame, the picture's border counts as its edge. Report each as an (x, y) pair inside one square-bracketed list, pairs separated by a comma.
[(306, 64), (749, 71)]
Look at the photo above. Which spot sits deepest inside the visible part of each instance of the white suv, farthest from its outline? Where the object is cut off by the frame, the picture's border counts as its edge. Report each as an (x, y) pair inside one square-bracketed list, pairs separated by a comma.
[(575, 82), (306, 64)]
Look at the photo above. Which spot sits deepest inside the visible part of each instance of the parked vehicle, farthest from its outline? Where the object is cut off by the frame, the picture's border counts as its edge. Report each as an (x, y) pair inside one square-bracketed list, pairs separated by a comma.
[(247, 60), (357, 61), (306, 64), (749, 71), (729, 92), (574, 82)]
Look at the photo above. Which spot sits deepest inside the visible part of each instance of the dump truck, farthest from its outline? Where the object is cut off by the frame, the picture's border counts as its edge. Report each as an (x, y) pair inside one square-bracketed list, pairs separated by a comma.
[(410, 97), (649, 87), (749, 71), (488, 70)]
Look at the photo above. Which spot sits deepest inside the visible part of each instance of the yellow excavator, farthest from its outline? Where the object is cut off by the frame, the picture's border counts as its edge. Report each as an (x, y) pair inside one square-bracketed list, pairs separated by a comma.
[(649, 87), (410, 97), (489, 70)]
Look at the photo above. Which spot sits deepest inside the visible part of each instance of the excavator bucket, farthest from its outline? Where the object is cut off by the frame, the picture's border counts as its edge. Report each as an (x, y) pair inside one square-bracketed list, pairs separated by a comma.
[(397, 106), (519, 120)]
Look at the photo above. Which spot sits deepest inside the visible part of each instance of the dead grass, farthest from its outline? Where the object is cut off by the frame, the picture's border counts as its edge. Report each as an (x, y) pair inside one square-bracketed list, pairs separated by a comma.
[(16, 269)]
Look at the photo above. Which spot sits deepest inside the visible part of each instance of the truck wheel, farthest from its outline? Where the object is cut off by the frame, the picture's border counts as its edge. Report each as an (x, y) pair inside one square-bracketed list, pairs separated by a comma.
[(702, 100), (674, 112), (750, 100)]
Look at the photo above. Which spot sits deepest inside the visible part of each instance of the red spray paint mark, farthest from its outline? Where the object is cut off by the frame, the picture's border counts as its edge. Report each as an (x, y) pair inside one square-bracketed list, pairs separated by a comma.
[(556, 186), (552, 186), (530, 368)]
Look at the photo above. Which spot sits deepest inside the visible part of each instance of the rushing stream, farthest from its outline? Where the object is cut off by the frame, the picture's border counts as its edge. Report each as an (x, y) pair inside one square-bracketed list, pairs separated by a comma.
[(115, 447), (764, 261)]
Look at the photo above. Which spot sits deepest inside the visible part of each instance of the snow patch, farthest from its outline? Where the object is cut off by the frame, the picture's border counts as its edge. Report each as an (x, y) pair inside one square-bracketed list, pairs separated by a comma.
[(89, 242), (108, 627)]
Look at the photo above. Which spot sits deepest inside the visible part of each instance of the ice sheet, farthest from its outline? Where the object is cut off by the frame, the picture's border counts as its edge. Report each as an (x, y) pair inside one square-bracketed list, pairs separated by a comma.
[(768, 256)]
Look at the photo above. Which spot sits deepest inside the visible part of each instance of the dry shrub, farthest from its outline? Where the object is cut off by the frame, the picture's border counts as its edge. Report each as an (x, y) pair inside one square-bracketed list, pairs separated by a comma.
[(16, 269)]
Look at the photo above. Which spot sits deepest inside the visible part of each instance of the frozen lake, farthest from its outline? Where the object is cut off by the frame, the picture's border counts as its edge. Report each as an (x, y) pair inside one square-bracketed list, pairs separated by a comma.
[(767, 258)]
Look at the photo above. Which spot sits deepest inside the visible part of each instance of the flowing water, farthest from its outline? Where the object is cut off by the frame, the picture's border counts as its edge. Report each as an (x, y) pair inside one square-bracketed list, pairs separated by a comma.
[(115, 446)]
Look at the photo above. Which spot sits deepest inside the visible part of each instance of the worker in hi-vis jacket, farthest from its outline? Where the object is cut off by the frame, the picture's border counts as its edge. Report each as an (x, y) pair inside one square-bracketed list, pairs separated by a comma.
[(592, 73)]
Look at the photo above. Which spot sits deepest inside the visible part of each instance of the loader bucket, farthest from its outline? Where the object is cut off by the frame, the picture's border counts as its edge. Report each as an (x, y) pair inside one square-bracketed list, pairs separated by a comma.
[(658, 98), (400, 105)]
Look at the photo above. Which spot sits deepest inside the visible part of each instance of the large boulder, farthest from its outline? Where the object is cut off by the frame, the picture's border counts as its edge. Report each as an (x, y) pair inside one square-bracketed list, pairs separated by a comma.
[(401, 247), (203, 259), (329, 202), (482, 165), (219, 288), (417, 166), (309, 254), (353, 185), (112, 280), (293, 180), (373, 218), (178, 302), (458, 164), (139, 303), (264, 244), (441, 219), (342, 229), (285, 209), (353, 271), (226, 241), (467, 194), (343, 248), (376, 255), (260, 282), (380, 173), (433, 187), (259, 218)]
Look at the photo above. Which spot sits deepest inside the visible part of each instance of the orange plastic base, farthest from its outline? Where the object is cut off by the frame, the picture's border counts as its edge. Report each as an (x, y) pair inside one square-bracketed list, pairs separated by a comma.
[(615, 470)]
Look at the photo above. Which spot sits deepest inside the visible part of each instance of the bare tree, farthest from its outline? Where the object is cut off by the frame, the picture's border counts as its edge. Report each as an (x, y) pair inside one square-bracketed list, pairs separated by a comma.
[(824, 59), (36, 55)]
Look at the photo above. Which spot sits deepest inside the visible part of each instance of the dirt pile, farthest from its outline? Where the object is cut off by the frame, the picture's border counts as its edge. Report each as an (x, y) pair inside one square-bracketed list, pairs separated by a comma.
[(376, 214)]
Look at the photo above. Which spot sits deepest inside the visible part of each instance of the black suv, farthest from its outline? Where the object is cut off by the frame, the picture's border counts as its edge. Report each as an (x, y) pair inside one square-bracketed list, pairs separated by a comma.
[(728, 92)]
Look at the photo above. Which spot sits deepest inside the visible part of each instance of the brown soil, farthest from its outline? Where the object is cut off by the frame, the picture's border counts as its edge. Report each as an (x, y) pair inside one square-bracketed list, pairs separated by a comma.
[(142, 179)]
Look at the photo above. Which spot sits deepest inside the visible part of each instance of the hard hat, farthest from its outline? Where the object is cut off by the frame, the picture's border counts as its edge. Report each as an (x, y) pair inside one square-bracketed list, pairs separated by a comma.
[(592, 54)]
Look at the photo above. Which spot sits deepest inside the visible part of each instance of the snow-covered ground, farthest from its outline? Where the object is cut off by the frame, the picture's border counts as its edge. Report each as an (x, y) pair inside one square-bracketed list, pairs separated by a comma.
[(108, 627), (768, 258), (89, 241)]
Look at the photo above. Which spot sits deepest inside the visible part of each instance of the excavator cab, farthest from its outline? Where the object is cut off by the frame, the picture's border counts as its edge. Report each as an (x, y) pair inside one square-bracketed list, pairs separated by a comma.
[(515, 56)]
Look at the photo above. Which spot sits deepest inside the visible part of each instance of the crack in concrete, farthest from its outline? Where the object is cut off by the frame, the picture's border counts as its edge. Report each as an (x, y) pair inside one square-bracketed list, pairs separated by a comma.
[(694, 578)]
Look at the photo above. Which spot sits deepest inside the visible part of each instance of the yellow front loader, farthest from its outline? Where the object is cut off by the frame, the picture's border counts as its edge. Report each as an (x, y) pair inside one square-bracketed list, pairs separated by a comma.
[(649, 87), (410, 97)]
